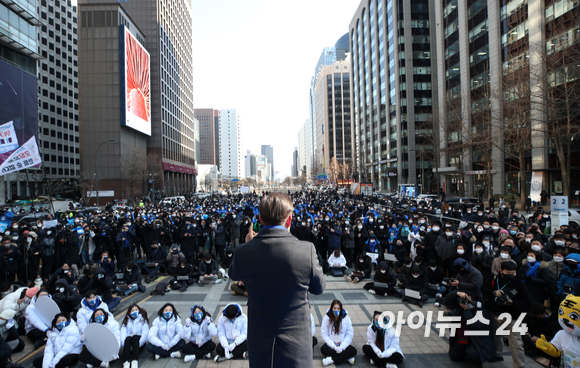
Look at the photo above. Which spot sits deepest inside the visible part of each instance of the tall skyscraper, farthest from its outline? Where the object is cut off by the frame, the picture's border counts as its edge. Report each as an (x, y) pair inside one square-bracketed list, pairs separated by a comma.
[(208, 135), (167, 30), (392, 99), (295, 162), (58, 90), (333, 119), (232, 161), (302, 152), (268, 151)]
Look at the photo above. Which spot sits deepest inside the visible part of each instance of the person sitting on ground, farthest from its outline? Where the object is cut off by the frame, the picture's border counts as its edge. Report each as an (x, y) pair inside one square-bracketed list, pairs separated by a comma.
[(384, 276), (363, 268), (62, 273), (132, 278), (435, 276), (107, 264), (104, 318), (198, 333), (164, 338), (337, 332), (336, 260), (133, 335), (183, 270), (63, 345), (89, 305), (417, 281), (382, 346), (66, 296), (156, 259), (102, 285), (35, 328), (540, 321), (238, 288), (208, 270), (88, 273), (9, 331), (233, 338), (173, 258), (314, 339)]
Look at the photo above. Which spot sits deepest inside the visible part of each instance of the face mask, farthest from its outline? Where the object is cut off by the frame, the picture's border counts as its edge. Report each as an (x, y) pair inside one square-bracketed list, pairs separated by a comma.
[(460, 251), (479, 213), (507, 277), (537, 248), (383, 271), (59, 326), (361, 260), (503, 255), (478, 250), (531, 259), (559, 242), (327, 219), (336, 313), (486, 226), (7, 245), (495, 228), (415, 276), (198, 316), (167, 315), (479, 230), (448, 234), (468, 211), (513, 232), (558, 259), (371, 220), (346, 222), (61, 290), (92, 302), (435, 228), (359, 227), (381, 227), (545, 216), (15, 227), (135, 314), (208, 262), (100, 319), (372, 242)]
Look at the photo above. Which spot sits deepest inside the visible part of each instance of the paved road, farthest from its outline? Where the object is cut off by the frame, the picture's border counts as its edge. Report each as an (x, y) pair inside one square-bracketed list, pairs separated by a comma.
[(419, 351)]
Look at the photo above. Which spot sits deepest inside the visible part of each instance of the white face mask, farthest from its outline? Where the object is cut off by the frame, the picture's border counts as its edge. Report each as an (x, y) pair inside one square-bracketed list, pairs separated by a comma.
[(29, 240), (415, 276), (504, 255), (531, 259), (435, 228), (460, 251), (486, 243), (359, 227), (383, 271), (448, 234), (559, 242), (433, 268), (495, 228), (537, 248), (527, 240), (478, 250), (558, 259), (479, 230), (486, 226), (381, 227)]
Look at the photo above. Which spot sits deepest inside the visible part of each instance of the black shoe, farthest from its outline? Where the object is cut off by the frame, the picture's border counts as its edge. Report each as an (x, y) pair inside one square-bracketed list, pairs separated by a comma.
[(506, 341), (496, 359), (420, 304), (39, 343), (11, 364)]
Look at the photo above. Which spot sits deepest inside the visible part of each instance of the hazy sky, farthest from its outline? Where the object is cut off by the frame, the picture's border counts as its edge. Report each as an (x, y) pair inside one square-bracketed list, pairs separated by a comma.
[(258, 57)]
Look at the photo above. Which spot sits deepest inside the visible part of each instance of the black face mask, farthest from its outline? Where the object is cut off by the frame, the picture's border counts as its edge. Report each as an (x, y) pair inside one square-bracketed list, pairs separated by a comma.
[(507, 277), (462, 271)]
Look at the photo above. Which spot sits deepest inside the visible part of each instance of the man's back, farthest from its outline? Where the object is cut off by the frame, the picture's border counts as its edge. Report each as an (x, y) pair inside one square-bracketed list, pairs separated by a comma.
[(278, 271)]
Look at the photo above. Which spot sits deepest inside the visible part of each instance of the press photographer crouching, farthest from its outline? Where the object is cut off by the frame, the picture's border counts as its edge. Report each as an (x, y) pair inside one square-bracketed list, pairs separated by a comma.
[(467, 344), (504, 293)]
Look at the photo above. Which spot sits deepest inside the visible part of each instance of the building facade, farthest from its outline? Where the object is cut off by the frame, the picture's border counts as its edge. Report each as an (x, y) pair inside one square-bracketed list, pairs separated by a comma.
[(268, 151), (232, 161), (392, 80), (208, 135), (302, 152), (295, 163)]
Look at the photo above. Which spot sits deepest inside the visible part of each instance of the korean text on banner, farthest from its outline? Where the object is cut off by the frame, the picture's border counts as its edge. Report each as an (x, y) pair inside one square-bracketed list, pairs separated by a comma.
[(8, 138), (25, 156)]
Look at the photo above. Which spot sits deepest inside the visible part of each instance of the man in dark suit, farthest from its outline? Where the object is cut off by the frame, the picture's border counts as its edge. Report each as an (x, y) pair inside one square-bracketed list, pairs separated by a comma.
[(278, 271)]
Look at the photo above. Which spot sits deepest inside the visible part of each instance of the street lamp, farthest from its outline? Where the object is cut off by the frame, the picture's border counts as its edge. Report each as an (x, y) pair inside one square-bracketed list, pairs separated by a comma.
[(97, 167)]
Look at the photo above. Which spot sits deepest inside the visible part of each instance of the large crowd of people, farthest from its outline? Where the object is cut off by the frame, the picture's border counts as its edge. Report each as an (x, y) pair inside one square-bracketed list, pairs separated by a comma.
[(469, 258)]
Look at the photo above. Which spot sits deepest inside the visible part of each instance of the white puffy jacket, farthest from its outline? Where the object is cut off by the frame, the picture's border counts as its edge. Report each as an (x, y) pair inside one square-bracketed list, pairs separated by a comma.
[(391, 345), (337, 261), (32, 319), (345, 333), (164, 331), (137, 326), (205, 330), (60, 344), (85, 313), (313, 325), (11, 302), (225, 328)]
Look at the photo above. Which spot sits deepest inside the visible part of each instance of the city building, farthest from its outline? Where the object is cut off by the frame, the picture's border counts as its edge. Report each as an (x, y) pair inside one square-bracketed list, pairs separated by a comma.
[(251, 165), (333, 124), (208, 135), (295, 163), (329, 56), (231, 142), (302, 152), (18, 57), (58, 94), (167, 30), (392, 103), (111, 152), (484, 50), (268, 151)]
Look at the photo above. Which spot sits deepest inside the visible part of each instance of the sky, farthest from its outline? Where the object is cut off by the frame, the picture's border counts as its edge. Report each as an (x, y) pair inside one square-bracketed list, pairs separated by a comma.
[(258, 56)]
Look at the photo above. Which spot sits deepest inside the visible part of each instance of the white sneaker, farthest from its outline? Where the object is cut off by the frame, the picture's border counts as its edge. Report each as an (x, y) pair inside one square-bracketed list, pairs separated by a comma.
[(135, 364), (207, 356), (218, 281), (219, 358), (372, 292), (157, 357), (327, 361), (189, 358), (390, 365), (175, 354), (104, 364), (245, 355), (89, 366), (438, 295), (347, 278), (351, 361), (126, 365), (200, 278), (372, 362)]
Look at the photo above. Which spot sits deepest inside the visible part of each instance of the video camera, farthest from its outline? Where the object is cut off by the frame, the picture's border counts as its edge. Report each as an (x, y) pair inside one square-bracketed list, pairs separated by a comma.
[(447, 281), (503, 299)]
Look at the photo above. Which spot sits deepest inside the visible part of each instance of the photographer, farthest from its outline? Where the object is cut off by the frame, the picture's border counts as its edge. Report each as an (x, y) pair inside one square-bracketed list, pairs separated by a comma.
[(107, 264), (468, 279), (504, 293), (478, 349), (9, 255)]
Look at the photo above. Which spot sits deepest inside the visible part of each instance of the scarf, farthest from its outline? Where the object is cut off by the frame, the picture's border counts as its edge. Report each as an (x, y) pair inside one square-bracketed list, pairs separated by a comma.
[(532, 270)]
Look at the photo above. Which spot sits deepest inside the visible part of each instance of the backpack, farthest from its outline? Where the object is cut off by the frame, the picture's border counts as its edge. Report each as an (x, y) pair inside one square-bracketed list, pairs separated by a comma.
[(160, 289)]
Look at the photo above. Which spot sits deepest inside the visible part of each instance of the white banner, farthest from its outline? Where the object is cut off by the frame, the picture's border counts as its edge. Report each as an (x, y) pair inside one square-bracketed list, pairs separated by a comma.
[(8, 138), (244, 189), (25, 156), (558, 211), (102, 193), (536, 186)]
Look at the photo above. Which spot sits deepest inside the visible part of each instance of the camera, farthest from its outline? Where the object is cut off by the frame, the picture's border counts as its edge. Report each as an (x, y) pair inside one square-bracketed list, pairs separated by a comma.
[(447, 281), (463, 300), (503, 299), (568, 289)]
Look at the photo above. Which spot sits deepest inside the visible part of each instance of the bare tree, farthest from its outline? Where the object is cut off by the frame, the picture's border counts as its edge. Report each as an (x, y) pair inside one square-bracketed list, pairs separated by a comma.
[(134, 169), (455, 145)]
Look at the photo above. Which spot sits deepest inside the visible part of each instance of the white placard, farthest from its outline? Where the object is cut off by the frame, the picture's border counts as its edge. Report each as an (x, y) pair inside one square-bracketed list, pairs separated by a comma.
[(102, 193), (8, 138), (559, 211), (536, 186), (50, 224), (101, 342), (244, 189), (374, 257), (46, 308)]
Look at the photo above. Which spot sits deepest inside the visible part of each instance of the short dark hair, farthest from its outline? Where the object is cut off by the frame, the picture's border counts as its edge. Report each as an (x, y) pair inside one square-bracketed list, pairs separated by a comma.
[(275, 208), (509, 266)]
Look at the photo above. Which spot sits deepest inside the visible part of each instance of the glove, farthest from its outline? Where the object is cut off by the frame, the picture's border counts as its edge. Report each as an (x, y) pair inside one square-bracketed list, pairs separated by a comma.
[(208, 320), (188, 322), (547, 348), (338, 349), (231, 346), (165, 346), (228, 354)]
